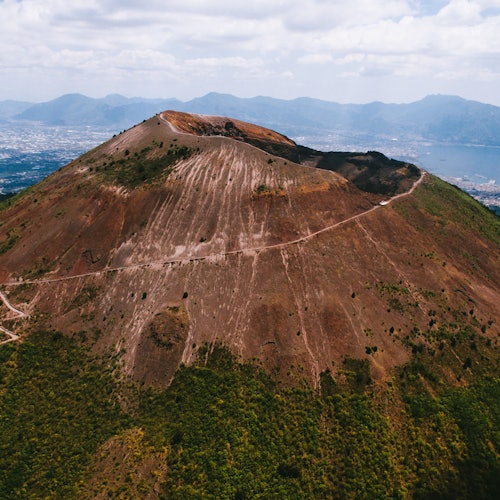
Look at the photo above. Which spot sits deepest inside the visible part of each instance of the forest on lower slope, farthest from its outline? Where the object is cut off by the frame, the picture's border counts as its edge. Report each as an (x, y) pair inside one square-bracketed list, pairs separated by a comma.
[(224, 429)]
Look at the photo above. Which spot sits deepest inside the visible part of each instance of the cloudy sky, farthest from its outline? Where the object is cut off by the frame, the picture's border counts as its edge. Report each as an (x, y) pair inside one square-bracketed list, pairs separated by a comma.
[(338, 50)]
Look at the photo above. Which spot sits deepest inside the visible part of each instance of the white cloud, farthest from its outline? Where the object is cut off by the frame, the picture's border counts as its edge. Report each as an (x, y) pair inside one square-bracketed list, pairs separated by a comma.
[(234, 62), (219, 43), (460, 12), (315, 59), (321, 15)]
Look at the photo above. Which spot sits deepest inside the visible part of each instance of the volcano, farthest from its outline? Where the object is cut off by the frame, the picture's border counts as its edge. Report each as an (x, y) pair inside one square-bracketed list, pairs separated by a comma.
[(201, 308), (188, 230)]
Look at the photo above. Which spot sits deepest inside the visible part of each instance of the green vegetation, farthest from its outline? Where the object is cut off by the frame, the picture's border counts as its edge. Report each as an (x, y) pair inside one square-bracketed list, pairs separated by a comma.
[(86, 295), (392, 289), (224, 429), (56, 406), (11, 239), (145, 166), (40, 267), (6, 200), (450, 206), (262, 189), (397, 296), (265, 190)]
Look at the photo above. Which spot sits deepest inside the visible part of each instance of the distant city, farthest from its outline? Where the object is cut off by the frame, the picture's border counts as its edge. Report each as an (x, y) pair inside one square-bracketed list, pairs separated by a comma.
[(30, 152)]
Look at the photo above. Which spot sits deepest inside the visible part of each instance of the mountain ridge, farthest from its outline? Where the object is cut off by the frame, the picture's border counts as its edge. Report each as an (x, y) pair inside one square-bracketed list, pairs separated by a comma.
[(439, 118)]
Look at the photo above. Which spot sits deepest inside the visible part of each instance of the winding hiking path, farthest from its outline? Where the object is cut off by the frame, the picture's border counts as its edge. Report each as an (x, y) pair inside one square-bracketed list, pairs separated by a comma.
[(21, 314), (223, 254), (18, 314)]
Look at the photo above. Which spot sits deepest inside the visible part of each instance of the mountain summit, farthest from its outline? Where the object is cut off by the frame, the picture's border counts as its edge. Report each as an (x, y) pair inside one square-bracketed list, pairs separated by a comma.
[(201, 308), (189, 230)]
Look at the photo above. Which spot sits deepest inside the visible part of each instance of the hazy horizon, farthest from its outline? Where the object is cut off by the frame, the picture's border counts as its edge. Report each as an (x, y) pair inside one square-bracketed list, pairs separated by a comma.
[(111, 94), (393, 51)]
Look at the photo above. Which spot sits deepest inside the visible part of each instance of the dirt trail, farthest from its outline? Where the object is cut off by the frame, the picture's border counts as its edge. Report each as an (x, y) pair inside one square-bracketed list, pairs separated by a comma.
[(250, 250), (17, 314)]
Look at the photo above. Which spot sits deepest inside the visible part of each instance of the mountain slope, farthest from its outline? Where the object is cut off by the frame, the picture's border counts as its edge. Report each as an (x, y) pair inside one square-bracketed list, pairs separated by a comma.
[(333, 345), (160, 228), (75, 109), (10, 108)]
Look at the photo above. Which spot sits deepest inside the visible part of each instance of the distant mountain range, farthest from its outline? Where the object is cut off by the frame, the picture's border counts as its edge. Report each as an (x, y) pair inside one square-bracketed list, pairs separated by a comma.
[(438, 118)]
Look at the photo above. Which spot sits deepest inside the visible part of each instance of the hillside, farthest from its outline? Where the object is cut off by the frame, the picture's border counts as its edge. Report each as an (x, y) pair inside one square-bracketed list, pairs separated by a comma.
[(216, 311)]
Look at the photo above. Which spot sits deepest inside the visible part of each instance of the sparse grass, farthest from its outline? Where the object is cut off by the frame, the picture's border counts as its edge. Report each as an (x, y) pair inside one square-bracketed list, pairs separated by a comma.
[(449, 203), (40, 267), (7, 200), (392, 288), (11, 240), (86, 295), (262, 189), (143, 167)]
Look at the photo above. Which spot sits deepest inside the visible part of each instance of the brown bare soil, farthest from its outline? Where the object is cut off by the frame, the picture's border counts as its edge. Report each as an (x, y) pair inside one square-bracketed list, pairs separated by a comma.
[(153, 262)]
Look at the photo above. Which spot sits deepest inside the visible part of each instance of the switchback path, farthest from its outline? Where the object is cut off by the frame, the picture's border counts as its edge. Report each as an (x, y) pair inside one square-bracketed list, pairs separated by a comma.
[(18, 314)]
